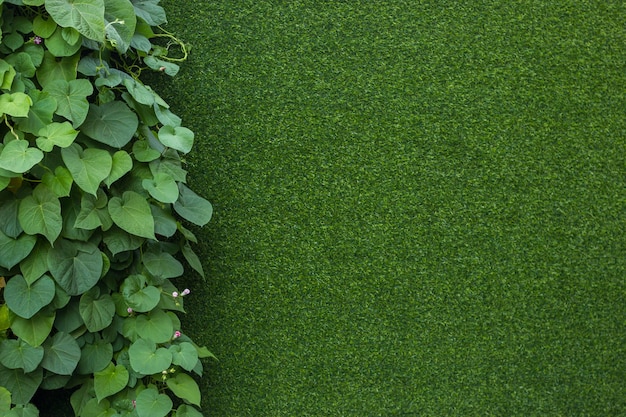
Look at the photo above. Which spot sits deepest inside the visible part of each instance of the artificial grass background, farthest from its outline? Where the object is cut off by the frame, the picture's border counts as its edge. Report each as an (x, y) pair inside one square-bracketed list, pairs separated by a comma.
[(419, 206)]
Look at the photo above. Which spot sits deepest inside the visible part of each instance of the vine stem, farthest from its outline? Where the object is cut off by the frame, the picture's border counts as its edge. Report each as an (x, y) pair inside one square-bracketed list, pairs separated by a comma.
[(6, 122)]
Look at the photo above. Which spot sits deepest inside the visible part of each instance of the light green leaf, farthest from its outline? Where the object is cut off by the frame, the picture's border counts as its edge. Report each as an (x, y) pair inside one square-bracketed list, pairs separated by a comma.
[(18, 157), (150, 11), (75, 266), (34, 330), (71, 97), (59, 134), (61, 354), (86, 16), (184, 355), (96, 310), (146, 359), (156, 326), (139, 297), (187, 411), (139, 92), (40, 113), (16, 104), (179, 138), (60, 182), (157, 64), (122, 164), (7, 75), (110, 380), (21, 385), (152, 404), (5, 399), (94, 357), (162, 188), (89, 167), (162, 264), (40, 213), (12, 251), (52, 69), (192, 207), (132, 213), (23, 64), (19, 354), (43, 28), (58, 43), (26, 300), (143, 152), (120, 20), (184, 387), (112, 123)]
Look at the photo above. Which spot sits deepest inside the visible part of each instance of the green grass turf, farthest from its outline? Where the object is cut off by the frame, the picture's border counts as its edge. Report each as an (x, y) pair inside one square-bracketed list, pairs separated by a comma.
[(419, 205)]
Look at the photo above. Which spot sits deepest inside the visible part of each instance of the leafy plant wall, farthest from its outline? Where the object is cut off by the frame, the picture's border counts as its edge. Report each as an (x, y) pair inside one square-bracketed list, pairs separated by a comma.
[(93, 206)]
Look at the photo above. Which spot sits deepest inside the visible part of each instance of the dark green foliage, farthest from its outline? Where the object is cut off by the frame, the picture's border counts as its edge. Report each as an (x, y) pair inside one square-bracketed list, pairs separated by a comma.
[(419, 205)]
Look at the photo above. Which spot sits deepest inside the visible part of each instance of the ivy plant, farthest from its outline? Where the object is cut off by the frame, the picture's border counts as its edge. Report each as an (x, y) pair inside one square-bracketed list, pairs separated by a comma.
[(93, 206)]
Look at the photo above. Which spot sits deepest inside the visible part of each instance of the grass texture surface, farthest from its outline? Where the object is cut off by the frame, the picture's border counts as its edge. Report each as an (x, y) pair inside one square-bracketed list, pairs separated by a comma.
[(419, 205)]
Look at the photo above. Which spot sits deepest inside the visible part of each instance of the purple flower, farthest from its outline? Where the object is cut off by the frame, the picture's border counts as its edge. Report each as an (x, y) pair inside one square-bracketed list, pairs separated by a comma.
[(174, 294), (37, 40), (130, 310), (185, 292), (177, 334)]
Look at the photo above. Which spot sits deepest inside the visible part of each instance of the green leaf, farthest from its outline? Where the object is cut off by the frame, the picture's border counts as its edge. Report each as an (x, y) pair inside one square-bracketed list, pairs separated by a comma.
[(112, 123), (21, 385), (5, 317), (88, 167), (184, 387), (139, 297), (132, 213), (18, 157), (5, 399), (120, 20), (150, 11), (122, 164), (192, 259), (192, 207), (44, 28), (162, 188), (9, 223), (61, 354), (16, 104), (179, 138), (89, 217), (40, 113), (12, 251), (59, 45), (94, 357), (40, 213), (156, 64), (60, 182), (164, 222), (146, 359), (34, 330), (110, 380), (36, 264), (75, 266), (187, 411), (152, 404), (118, 241), (139, 92), (71, 97), (86, 16), (7, 75), (143, 152), (23, 64), (26, 300), (184, 355), (19, 354), (59, 134), (162, 264), (52, 69), (156, 326), (96, 310)]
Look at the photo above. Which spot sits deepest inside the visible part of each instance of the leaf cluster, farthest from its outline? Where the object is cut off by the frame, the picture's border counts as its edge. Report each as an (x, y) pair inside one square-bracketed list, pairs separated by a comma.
[(93, 202)]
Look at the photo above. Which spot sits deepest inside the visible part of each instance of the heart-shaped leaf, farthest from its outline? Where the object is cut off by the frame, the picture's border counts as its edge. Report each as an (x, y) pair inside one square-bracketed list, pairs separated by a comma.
[(12, 251), (122, 164), (132, 213), (40, 114), (21, 385), (34, 330), (146, 359), (120, 20), (40, 213), (18, 157), (110, 380), (53, 69), (162, 188), (112, 123), (139, 297), (192, 207), (187, 411), (26, 300), (88, 167), (150, 403), (59, 182), (19, 354), (59, 134), (96, 310), (162, 264), (184, 387), (75, 266), (36, 263), (156, 326), (184, 355), (15, 104), (95, 357), (179, 138), (61, 354), (150, 12), (71, 98), (86, 16)]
